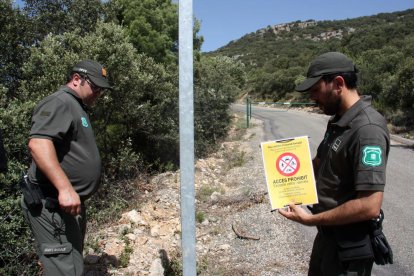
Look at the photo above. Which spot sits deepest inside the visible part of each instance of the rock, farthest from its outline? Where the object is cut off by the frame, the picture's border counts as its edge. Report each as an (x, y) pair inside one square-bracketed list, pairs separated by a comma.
[(156, 268), (142, 240), (215, 196), (134, 217), (114, 248), (137, 231), (224, 247), (155, 231), (90, 251), (131, 237), (166, 229), (224, 259)]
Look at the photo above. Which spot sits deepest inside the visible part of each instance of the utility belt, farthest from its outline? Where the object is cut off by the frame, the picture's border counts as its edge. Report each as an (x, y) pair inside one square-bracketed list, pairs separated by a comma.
[(353, 241), (33, 195), (362, 240)]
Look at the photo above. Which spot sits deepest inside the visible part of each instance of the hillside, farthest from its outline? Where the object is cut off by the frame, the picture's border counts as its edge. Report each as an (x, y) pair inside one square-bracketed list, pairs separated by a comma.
[(382, 46), (307, 38)]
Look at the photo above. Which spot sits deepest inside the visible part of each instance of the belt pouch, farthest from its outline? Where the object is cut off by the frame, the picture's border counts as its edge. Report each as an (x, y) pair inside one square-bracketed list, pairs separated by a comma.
[(353, 242), (31, 193)]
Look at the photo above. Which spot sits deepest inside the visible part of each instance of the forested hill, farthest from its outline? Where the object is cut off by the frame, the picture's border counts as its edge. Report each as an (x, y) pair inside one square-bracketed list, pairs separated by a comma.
[(382, 46)]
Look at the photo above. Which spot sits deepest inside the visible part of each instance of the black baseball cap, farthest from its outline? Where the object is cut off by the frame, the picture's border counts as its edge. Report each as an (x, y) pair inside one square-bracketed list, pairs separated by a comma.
[(94, 71), (326, 64)]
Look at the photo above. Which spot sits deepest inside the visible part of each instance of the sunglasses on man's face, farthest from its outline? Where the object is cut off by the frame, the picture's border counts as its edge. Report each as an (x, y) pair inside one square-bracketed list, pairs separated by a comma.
[(95, 88)]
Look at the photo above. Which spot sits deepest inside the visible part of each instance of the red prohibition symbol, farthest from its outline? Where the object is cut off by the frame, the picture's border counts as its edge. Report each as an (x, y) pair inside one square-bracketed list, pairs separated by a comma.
[(288, 164)]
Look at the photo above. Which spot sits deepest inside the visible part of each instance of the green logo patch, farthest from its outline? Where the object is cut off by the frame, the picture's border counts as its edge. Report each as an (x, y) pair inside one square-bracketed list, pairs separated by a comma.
[(84, 122), (372, 156)]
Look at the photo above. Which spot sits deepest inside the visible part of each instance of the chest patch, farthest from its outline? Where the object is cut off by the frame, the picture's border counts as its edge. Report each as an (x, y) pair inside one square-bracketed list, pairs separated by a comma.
[(336, 144), (84, 122), (371, 156)]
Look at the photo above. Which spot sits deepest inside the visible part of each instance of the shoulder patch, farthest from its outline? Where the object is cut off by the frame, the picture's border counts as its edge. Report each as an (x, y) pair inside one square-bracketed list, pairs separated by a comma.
[(371, 156), (45, 113), (84, 122)]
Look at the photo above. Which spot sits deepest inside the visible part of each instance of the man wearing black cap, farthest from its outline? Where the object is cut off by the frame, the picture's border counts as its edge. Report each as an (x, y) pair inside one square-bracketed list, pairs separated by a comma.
[(350, 170), (65, 170)]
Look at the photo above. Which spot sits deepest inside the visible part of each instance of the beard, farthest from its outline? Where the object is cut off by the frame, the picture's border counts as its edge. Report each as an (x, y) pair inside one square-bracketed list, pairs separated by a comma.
[(332, 103)]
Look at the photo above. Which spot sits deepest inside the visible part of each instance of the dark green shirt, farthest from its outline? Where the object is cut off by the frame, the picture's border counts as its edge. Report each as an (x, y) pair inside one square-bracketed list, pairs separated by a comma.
[(62, 118), (353, 156)]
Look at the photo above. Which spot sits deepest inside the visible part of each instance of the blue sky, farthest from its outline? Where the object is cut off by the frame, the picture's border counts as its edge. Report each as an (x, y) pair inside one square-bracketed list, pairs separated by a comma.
[(226, 20)]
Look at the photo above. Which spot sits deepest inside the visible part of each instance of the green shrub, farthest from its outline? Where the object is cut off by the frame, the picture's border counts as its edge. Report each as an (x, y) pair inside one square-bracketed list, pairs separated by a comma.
[(16, 247), (126, 254), (200, 217), (235, 159), (219, 80)]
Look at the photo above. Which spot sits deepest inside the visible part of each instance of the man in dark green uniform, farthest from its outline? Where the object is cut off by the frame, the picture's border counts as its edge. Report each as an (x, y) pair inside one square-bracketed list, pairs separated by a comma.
[(65, 170), (349, 167)]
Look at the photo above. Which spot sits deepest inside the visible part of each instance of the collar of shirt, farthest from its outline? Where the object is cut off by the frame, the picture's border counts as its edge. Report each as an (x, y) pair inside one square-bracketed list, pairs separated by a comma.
[(73, 93), (346, 119)]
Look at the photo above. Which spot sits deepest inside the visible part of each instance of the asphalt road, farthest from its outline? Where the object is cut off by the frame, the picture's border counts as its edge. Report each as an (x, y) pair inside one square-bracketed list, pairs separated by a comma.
[(399, 190)]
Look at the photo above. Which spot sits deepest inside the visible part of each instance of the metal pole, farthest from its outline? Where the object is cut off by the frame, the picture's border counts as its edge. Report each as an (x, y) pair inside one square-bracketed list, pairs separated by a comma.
[(247, 112), (186, 102), (250, 108)]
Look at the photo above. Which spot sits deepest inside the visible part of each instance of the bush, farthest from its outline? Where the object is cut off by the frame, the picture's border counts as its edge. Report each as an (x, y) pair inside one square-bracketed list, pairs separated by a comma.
[(219, 80), (15, 243)]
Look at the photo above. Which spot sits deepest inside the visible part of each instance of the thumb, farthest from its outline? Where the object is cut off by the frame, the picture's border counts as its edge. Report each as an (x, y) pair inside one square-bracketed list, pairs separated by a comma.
[(292, 205)]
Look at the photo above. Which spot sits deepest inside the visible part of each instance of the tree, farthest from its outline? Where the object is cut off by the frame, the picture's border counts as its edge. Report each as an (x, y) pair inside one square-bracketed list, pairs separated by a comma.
[(152, 26), (219, 81), (405, 85), (16, 37), (376, 67), (59, 16), (14, 239)]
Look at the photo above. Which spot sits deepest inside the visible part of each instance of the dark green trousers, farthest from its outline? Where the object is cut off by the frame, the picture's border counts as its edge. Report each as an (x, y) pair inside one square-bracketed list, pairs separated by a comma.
[(324, 260), (59, 237)]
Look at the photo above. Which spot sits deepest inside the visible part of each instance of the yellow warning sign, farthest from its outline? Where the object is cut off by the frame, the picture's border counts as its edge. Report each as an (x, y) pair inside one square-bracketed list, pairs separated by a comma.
[(289, 172)]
